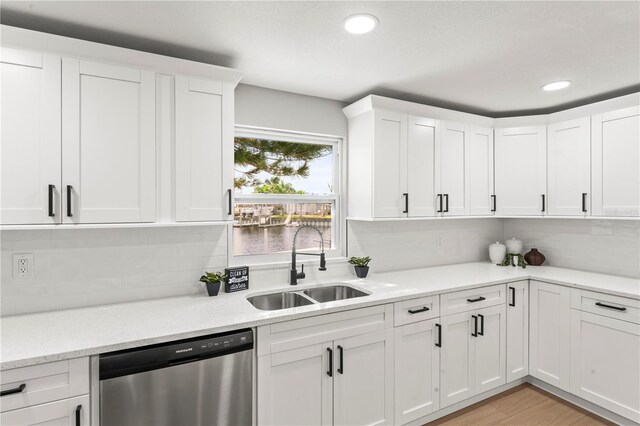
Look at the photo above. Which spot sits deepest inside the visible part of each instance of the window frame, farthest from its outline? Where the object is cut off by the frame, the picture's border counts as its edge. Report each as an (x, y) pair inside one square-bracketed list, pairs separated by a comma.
[(338, 216)]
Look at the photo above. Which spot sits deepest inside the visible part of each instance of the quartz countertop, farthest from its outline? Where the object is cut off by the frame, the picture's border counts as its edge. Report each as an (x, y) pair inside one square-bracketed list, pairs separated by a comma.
[(51, 336)]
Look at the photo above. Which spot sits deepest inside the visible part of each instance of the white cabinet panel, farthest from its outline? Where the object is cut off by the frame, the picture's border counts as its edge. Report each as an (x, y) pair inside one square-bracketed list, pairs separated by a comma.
[(569, 160), (421, 166), (605, 362), (295, 388), (517, 330), (66, 412), (520, 170), (203, 155), (616, 163), (490, 349), (31, 146), (452, 170), (480, 171), (108, 146), (550, 335), (389, 164), (417, 370), (457, 359)]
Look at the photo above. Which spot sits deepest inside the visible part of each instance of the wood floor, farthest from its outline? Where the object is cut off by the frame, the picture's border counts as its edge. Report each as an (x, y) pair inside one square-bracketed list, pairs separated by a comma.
[(523, 405)]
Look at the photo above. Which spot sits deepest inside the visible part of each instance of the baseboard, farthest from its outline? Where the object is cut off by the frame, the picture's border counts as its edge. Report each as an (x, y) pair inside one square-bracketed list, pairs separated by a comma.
[(582, 403), (464, 404)]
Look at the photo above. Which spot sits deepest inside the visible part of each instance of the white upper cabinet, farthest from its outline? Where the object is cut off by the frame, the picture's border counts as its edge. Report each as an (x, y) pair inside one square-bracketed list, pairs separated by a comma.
[(616, 163), (421, 171), (204, 150), (108, 143), (520, 171), (451, 171), (30, 149), (479, 162), (569, 162)]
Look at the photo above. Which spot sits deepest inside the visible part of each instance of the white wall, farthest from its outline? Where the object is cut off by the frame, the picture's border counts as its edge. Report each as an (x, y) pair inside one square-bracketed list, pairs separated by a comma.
[(606, 246), (261, 107)]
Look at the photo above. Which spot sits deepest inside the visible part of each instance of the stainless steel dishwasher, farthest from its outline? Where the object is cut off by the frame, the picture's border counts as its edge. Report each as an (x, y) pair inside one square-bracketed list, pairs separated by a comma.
[(199, 381)]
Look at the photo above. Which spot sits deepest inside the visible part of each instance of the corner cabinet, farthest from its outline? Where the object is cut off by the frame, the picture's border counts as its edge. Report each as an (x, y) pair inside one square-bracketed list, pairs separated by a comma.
[(517, 330)]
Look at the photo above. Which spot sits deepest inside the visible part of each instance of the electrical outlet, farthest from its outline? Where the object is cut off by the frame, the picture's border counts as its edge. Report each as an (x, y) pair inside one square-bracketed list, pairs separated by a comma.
[(23, 265)]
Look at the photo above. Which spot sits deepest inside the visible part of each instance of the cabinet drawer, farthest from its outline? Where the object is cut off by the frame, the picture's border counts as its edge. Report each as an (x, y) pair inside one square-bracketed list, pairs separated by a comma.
[(44, 383), (606, 304), (63, 413), (476, 298), (414, 310)]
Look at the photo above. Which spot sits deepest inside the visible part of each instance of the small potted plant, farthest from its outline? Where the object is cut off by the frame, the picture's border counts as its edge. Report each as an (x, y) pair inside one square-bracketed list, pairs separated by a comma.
[(213, 280), (360, 265)]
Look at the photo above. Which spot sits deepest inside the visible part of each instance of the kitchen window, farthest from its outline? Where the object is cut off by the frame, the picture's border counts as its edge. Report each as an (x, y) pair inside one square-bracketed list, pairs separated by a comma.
[(284, 180)]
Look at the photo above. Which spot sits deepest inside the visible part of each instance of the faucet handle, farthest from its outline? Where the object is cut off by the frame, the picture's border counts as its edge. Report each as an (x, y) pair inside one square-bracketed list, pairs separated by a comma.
[(301, 275)]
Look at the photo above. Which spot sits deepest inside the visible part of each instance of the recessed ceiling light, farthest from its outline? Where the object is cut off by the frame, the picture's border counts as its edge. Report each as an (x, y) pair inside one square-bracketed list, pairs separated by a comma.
[(556, 85), (360, 24)]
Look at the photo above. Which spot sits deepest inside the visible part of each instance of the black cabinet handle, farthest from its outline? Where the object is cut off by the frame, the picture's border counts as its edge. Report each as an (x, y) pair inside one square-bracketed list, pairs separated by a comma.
[(543, 203), (439, 202), (330, 370), (19, 389), (229, 201), (51, 212), (481, 332), (493, 198), (439, 342), (417, 311), (341, 368), (584, 202), (406, 203), (446, 209), (475, 326), (78, 409), (69, 192), (513, 296), (617, 308), (479, 299)]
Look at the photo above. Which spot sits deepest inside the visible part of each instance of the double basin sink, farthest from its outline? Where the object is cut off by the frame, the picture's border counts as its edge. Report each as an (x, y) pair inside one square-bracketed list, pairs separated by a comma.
[(293, 299)]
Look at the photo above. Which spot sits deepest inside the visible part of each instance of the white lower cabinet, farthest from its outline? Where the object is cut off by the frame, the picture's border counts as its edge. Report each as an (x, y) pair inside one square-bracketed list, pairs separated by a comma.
[(517, 330), (65, 412), (550, 334), (473, 353)]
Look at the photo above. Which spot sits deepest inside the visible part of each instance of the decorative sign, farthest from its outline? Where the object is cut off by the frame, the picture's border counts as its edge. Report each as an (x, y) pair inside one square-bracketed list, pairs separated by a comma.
[(237, 279)]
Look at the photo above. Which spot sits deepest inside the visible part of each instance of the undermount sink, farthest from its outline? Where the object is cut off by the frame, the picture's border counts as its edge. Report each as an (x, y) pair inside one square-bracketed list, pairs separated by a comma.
[(334, 292), (282, 300), (293, 299)]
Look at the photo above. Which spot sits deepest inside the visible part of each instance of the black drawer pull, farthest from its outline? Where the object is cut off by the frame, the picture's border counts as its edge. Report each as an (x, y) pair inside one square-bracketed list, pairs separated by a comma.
[(19, 389), (51, 212), (78, 408), (446, 208), (439, 202), (479, 299), (406, 203), (69, 193), (513, 296), (494, 203), (475, 326), (584, 202), (481, 332), (543, 203), (617, 308), (341, 368), (330, 370), (417, 311), (230, 195), (439, 342)]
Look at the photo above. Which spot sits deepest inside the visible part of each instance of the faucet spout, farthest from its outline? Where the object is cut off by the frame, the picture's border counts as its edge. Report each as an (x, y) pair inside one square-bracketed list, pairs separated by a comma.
[(294, 274)]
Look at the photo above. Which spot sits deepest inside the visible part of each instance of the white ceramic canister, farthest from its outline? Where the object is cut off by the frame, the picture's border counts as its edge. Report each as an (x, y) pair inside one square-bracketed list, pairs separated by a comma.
[(497, 252), (514, 246)]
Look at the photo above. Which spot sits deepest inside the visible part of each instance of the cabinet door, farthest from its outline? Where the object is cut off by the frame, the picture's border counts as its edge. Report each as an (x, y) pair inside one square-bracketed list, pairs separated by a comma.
[(605, 362), (569, 159), (389, 164), (549, 333), (480, 170), (65, 412), (363, 383), (457, 359), (296, 387), (490, 349), (30, 148), (204, 153), (616, 163), (520, 161), (452, 173), (417, 370), (108, 143), (421, 167), (517, 330)]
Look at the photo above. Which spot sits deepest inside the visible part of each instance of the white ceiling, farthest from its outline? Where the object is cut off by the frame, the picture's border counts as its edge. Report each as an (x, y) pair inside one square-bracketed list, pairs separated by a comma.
[(483, 57)]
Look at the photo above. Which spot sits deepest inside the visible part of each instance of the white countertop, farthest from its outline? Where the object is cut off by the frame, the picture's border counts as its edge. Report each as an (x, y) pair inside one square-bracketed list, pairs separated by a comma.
[(51, 336)]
